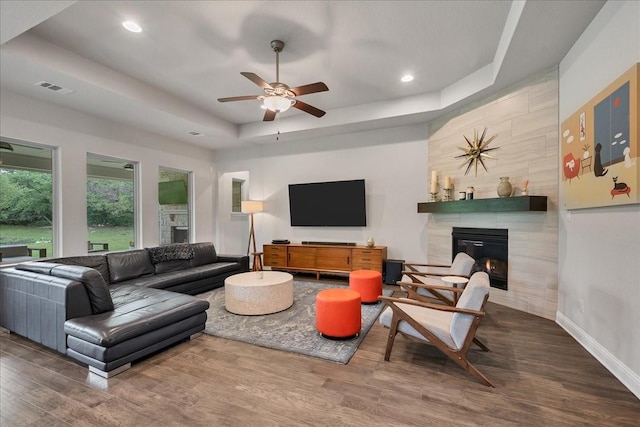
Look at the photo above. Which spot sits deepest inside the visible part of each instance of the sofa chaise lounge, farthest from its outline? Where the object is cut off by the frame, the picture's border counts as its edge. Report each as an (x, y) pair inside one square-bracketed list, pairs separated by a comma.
[(109, 310)]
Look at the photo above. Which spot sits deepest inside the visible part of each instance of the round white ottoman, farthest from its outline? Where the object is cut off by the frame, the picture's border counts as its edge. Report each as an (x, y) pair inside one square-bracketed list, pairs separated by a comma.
[(258, 292)]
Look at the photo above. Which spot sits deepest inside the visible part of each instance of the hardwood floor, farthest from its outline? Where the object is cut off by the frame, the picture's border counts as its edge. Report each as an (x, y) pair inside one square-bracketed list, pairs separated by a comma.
[(542, 376)]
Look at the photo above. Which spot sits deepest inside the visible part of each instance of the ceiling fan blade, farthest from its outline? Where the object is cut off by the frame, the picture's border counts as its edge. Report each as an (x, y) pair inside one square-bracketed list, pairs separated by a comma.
[(257, 80), (269, 116), (238, 98), (310, 88), (308, 108)]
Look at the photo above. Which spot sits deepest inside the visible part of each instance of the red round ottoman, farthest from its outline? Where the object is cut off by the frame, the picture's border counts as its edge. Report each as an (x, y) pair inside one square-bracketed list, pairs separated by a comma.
[(338, 313), (367, 283)]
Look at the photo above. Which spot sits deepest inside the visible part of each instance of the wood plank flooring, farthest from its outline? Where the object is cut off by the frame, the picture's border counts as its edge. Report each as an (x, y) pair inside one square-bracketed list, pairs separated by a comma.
[(542, 376)]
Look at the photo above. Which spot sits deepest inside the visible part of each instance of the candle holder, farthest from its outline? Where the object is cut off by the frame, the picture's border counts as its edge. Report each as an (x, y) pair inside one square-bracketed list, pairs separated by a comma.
[(447, 195), (434, 197)]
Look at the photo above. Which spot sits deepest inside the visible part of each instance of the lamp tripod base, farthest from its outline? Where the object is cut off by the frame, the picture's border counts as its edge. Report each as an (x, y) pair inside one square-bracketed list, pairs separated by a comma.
[(257, 261)]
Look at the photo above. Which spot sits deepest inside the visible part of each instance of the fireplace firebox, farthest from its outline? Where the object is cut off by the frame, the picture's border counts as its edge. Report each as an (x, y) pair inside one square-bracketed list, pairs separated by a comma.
[(179, 234), (489, 247)]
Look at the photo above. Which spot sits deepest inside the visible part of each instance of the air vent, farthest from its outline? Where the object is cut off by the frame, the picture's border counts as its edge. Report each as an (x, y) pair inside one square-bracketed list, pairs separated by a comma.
[(56, 88)]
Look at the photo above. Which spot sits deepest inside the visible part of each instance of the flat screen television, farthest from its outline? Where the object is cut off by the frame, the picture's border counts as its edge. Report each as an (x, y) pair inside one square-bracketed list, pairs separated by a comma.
[(173, 193), (328, 204)]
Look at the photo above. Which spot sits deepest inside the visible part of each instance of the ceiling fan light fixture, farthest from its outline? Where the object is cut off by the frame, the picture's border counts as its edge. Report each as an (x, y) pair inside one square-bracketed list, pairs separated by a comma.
[(276, 103)]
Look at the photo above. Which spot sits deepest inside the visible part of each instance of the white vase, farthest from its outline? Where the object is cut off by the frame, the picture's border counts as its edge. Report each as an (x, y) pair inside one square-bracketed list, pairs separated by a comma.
[(370, 242)]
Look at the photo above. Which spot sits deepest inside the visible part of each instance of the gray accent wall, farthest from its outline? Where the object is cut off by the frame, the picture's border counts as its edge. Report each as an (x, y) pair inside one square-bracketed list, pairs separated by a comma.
[(599, 248)]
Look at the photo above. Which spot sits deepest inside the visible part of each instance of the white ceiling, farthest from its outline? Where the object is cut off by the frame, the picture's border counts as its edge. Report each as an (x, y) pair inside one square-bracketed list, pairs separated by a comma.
[(167, 79)]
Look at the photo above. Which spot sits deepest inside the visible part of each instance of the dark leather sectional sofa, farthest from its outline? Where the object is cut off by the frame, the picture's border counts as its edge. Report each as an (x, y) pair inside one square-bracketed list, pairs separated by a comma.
[(109, 310)]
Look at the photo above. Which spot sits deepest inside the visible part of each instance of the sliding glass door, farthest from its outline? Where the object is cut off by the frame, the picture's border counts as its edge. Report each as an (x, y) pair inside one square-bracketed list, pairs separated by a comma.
[(26, 201), (110, 204), (173, 202)]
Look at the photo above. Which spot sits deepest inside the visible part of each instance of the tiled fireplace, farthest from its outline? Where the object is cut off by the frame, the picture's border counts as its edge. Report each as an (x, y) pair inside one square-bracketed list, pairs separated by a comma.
[(174, 224), (525, 120)]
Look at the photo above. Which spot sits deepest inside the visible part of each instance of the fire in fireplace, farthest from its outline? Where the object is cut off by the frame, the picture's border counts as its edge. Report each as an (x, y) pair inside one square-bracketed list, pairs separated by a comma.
[(489, 247)]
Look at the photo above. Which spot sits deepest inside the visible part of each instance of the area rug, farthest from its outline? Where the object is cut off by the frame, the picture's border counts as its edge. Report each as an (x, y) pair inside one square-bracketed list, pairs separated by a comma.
[(291, 330)]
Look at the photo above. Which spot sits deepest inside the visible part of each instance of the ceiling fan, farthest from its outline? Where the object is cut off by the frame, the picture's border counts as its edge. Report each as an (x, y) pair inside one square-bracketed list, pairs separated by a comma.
[(125, 165), (279, 97)]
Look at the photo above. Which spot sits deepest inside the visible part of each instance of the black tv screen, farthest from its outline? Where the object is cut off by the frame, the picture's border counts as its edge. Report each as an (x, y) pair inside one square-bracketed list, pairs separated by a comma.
[(328, 204)]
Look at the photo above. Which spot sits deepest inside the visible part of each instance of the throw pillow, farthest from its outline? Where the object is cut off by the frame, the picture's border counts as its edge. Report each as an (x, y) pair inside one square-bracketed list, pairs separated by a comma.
[(170, 252)]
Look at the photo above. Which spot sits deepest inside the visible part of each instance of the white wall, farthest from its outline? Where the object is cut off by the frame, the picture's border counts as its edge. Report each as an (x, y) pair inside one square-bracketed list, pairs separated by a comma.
[(599, 271), (75, 134), (392, 161)]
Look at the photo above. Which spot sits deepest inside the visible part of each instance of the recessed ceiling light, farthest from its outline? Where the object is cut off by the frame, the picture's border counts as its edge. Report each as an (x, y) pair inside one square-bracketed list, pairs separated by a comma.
[(406, 78), (132, 26)]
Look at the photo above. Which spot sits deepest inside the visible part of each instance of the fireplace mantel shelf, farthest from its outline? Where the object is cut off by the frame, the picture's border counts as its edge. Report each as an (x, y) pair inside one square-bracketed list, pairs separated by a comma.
[(504, 204)]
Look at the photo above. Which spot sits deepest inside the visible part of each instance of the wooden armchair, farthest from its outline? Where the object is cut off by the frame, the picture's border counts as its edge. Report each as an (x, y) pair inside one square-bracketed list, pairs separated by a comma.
[(450, 329), (432, 274)]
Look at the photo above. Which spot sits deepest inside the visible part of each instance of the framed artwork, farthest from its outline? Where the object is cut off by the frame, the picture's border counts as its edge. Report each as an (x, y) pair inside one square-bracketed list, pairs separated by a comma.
[(599, 147)]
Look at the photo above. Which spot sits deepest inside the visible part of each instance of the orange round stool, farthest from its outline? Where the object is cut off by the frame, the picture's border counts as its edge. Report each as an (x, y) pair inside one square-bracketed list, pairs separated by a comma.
[(368, 283), (338, 313)]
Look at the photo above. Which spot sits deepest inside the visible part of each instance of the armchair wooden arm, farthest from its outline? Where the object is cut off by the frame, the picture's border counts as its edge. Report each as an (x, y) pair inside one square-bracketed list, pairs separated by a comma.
[(428, 273), (439, 307), (411, 288), (429, 287), (411, 265)]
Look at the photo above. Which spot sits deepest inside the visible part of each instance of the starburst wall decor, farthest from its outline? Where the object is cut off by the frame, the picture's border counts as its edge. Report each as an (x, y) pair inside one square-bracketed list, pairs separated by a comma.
[(476, 151)]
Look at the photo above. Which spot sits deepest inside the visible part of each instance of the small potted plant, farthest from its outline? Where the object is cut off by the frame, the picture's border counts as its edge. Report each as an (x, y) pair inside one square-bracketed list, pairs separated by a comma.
[(586, 154)]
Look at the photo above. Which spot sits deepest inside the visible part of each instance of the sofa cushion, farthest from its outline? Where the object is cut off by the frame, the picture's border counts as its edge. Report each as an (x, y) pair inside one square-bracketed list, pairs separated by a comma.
[(97, 262), (92, 280), (169, 266), (203, 253), (94, 283), (129, 265), (37, 267), (176, 278), (170, 252), (137, 311)]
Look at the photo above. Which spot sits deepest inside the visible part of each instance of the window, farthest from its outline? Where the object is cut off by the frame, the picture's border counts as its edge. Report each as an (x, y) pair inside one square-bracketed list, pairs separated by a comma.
[(26, 207), (237, 193), (110, 204), (173, 201)]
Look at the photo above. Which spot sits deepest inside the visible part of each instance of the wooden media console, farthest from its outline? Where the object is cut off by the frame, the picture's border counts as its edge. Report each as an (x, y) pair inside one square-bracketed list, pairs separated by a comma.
[(327, 259)]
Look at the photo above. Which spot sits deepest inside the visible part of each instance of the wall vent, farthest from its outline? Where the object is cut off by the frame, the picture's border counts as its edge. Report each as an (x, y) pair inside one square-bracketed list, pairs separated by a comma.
[(56, 88)]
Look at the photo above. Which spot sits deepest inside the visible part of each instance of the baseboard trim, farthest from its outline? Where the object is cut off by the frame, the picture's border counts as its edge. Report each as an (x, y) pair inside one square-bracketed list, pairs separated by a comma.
[(630, 379)]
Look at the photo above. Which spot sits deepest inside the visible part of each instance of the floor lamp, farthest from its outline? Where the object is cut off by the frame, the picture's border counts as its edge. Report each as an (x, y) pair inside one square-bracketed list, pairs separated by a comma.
[(251, 207)]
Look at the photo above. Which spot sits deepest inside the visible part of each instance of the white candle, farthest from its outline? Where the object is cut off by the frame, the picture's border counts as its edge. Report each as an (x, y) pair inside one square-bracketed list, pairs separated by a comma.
[(434, 182), (447, 182)]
